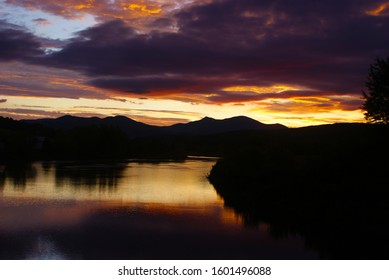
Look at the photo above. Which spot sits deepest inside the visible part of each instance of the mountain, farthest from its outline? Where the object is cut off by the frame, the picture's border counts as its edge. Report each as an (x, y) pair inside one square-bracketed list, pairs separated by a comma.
[(207, 126), (134, 129)]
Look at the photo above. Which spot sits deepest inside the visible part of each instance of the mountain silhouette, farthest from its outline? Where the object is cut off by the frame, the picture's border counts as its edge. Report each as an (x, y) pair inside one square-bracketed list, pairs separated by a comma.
[(207, 126), (135, 129), (132, 128)]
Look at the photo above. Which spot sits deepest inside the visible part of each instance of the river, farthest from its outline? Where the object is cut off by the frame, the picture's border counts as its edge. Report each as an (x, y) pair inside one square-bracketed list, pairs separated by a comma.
[(127, 210)]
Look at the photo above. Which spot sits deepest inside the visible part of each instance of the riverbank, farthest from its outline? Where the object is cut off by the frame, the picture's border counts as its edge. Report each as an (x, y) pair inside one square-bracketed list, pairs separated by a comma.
[(328, 184)]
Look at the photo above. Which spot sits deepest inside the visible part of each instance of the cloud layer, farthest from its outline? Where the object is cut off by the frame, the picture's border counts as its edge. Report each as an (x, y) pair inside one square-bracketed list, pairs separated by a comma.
[(325, 47), (200, 52)]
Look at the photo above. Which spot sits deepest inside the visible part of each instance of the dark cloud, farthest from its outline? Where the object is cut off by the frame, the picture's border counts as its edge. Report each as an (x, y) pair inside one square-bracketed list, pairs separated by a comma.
[(17, 44), (144, 85), (115, 49), (3, 100), (325, 46), (163, 84), (162, 23), (41, 21)]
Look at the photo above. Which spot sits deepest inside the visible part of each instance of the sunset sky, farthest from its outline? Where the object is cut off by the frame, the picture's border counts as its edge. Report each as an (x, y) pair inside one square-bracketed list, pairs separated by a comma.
[(298, 63)]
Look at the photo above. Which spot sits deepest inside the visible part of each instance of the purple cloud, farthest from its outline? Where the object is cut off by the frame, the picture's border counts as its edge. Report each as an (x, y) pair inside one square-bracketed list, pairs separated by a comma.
[(17, 44), (326, 46)]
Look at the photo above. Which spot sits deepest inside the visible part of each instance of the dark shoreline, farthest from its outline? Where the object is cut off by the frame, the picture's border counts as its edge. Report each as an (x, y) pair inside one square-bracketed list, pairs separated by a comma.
[(331, 189)]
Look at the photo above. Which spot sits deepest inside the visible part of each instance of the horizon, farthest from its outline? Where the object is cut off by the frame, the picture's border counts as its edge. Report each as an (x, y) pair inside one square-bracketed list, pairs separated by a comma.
[(205, 117), (177, 61)]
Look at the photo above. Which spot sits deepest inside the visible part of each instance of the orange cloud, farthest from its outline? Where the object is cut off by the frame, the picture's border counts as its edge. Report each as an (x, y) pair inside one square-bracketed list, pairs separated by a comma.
[(266, 89), (141, 8), (105, 9), (380, 10), (309, 105)]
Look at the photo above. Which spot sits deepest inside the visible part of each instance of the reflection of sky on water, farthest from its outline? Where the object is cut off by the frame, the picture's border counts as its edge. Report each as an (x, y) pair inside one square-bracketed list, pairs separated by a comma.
[(44, 249), (168, 183), (31, 214), (64, 194), (104, 230), (126, 211)]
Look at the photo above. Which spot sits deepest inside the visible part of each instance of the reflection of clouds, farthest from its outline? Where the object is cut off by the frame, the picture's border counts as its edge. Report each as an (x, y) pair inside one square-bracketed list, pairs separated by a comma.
[(90, 176), (20, 214), (26, 215), (179, 183), (17, 174), (63, 195), (168, 205), (107, 231)]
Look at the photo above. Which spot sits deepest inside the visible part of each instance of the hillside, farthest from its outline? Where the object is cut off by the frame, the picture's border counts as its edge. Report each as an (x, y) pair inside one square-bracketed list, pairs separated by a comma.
[(119, 137), (134, 129)]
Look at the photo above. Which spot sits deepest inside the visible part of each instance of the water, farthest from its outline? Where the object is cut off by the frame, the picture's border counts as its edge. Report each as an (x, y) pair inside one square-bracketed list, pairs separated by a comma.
[(127, 210)]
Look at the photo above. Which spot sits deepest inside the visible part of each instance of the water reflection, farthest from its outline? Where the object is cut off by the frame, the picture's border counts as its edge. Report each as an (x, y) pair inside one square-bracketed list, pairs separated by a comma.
[(128, 210), (44, 249), (18, 174), (88, 175), (336, 225), (131, 182)]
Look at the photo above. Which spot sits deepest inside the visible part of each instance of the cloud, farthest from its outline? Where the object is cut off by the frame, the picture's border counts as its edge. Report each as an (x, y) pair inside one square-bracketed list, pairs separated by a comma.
[(381, 9), (3, 100), (41, 21), (325, 47), (21, 113), (139, 13), (310, 104), (20, 79), (157, 85), (17, 44)]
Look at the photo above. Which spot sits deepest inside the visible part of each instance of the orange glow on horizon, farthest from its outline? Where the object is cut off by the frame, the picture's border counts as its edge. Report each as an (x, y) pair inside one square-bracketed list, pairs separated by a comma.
[(310, 100)]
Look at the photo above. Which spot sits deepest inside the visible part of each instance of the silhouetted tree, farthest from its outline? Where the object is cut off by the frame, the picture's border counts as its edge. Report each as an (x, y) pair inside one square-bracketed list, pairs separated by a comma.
[(377, 96)]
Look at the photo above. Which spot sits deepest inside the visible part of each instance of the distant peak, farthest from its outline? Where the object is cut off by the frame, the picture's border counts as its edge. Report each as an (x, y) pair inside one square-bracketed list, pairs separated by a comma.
[(119, 117), (66, 117), (240, 118), (207, 119)]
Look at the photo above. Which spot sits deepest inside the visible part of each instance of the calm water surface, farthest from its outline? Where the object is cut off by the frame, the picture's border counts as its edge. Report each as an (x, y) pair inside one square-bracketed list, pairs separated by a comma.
[(128, 210)]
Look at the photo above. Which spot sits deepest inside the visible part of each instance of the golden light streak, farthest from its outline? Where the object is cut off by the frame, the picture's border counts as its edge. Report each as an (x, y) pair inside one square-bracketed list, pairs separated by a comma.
[(306, 111), (377, 12), (142, 8), (83, 6), (260, 90), (310, 100)]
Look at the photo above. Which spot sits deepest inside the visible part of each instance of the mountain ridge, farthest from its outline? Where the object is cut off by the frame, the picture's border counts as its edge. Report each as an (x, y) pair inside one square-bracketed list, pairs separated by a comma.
[(204, 126)]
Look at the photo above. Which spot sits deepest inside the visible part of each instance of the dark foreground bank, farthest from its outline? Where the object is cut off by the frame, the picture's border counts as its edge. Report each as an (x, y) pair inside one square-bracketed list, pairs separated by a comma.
[(328, 184)]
